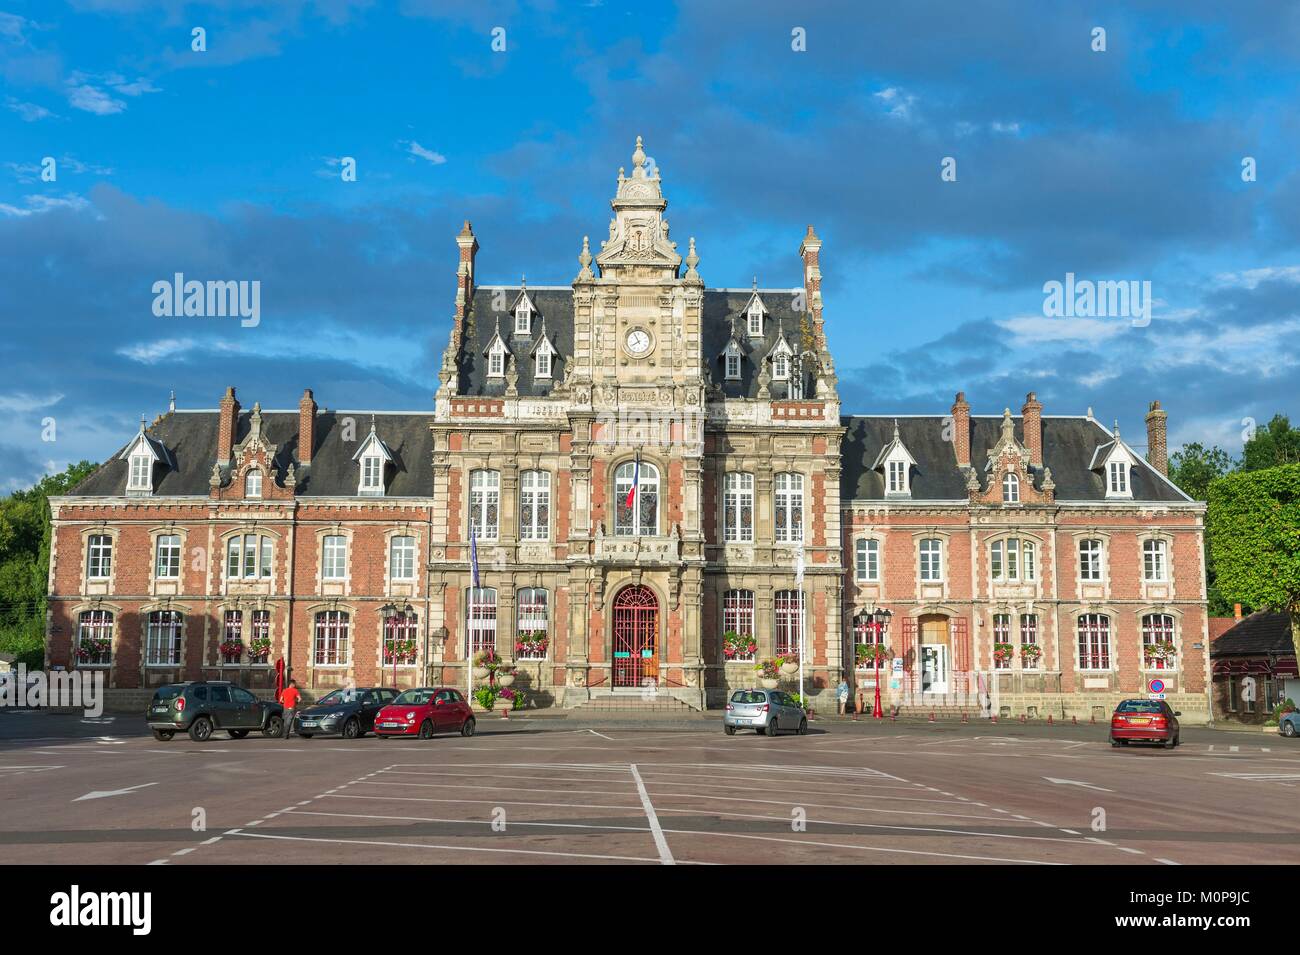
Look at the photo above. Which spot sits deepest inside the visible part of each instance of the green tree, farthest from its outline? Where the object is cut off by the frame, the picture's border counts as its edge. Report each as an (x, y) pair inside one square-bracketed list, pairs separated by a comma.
[(1277, 443), (25, 562), (1254, 527), (1194, 466)]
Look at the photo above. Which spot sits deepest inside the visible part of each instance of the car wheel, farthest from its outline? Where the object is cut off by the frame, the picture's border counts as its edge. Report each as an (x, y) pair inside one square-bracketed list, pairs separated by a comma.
[(803, 727), (729, 730), (1288, 729), (1114, 743), (237, 734), (773, 728), (163, 735), (467, 728), (200, 729), (426, 730), (274, 727), (352, 729)]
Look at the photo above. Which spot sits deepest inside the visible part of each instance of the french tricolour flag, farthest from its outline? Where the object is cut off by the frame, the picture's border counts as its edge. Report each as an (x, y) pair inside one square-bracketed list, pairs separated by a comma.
[(636, 480), (473, 555)]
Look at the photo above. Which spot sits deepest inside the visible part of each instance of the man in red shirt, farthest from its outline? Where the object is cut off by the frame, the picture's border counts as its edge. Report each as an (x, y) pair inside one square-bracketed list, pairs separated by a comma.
[(289, 698)]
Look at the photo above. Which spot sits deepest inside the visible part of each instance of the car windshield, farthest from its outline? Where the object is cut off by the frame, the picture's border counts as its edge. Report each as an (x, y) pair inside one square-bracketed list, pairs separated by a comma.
[(335, 697), (1139, 706), (748, 696), (415, 697), (165, 693)]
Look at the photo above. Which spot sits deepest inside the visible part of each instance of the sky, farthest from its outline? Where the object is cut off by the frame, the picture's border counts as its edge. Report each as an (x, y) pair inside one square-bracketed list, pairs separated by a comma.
[(1130, 163)]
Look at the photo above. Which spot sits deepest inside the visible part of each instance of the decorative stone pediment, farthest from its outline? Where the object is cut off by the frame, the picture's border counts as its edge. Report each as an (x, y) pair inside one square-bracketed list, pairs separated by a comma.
[(638, 233), (1009, 456)]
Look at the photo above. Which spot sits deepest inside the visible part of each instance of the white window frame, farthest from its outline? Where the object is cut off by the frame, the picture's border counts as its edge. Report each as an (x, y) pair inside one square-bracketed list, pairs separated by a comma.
[(866, 560), (93, 624), (372, 473), (1010, 488), (533, 615), (543, 360), (253, 483), (896, 470), (99, 557), (401, 557), (731, 363), (738, 617), (252, 557), (788, 507), (1118, 484), (167, 557), (331, 638), (485, 502), (162, 640), (497, 361), (535, 505), (523, 317), (481, 620), (1155, 560), (754, 320), (1098, 624), (334, 557), (631, 525), (737, 505), (931, 565), (1092, 559), (1153, 634), (141, 473)]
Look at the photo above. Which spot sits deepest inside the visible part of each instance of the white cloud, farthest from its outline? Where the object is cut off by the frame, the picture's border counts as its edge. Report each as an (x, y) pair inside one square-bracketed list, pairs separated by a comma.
[(415, 149), (92, 100), (898, 102), (1039, 328), (37, 204), (20, 402), (150, 353), (1250, 278), (29, 112), (85, 92)]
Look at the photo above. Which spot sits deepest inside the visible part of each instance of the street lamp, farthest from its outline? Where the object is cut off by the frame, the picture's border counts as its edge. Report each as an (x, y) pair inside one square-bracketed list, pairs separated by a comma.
[(880, 620), (391, 612)]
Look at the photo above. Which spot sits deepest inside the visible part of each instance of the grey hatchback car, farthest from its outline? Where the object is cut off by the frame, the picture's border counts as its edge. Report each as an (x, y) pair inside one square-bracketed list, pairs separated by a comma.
[(765, 711)]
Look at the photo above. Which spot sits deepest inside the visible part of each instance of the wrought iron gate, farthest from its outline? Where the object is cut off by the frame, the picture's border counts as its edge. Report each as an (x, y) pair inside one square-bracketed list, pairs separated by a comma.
[(636, 636)]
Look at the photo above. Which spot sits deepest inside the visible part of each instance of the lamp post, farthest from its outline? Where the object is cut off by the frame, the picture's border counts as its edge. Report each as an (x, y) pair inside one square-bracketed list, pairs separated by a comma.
[(391, 612), (880, 620)]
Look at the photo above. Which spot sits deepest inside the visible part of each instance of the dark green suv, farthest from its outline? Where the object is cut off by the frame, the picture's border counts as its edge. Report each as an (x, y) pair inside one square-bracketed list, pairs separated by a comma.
[(201, 706)]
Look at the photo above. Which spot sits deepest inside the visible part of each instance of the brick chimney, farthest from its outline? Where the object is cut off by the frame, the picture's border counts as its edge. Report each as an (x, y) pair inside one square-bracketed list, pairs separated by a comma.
[(464, 280), (1031, 418), (961, 430), (306, 427), (229, 422), (1236, 612), (1157, 446), (810, 252)]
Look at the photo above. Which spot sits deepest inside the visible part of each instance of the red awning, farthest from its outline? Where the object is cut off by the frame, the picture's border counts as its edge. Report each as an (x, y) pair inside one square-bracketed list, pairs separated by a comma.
[(1229, 667), (1286, 667), (1260, 667)]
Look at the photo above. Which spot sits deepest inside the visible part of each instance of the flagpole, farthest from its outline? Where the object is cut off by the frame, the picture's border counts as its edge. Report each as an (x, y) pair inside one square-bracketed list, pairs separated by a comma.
[(799, 581)]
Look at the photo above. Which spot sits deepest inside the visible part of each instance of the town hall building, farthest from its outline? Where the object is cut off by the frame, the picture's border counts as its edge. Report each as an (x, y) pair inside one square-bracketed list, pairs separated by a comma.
[(636, 484)]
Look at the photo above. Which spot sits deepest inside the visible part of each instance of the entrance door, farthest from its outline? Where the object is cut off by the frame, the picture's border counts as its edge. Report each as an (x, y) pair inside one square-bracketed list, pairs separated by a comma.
[(934, 668), (636, 637)]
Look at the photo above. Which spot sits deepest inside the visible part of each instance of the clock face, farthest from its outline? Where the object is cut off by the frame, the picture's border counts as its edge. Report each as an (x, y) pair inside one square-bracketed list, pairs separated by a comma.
[(638, 341)]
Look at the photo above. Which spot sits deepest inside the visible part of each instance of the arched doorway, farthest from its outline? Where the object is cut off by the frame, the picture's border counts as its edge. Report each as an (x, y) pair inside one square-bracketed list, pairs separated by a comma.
[(636, 636), (935, 654)]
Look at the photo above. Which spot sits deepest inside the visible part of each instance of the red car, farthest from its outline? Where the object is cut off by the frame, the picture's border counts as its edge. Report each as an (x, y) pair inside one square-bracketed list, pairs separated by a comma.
[(425, 711), (1144, 721)]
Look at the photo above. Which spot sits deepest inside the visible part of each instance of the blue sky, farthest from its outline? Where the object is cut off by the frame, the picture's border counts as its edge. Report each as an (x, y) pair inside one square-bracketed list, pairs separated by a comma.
[(1123, 164)]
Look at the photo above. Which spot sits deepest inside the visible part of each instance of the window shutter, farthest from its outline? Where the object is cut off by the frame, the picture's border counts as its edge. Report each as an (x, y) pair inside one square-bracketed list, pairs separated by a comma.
[(961, 644), (908, 648)]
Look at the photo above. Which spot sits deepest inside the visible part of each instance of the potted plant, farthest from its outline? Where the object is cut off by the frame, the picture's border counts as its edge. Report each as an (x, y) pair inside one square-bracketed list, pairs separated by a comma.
[(510, 698), (485, 663), (867, 654), (232, 650), (532, 644), (93, 647), (736, 646), (1030, 654), (789, 663), (259, 649), (400, 652), (505, 676), (1003, 653), (1161, 651), (485, 696), (769, 673)]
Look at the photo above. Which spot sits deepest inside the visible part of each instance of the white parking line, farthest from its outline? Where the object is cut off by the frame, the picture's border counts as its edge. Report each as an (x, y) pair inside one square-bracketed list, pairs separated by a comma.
[(446, 848), (665, 856)]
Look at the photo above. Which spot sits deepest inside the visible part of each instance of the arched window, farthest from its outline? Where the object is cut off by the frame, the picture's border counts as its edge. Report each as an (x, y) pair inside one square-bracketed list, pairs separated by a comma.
[(1010, 489), (1158, 641), (481, 615), (94, 638), (738, 507), (636, 499), (534, 505), (162, 642), (484, 497), (253, 483), (331, 638), (738, 643), (789, 507)]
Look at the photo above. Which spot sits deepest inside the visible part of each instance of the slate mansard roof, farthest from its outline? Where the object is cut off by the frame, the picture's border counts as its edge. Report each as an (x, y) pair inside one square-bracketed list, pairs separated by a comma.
[(1257, 635), (191, 437), (1069, 445), (555, 310)]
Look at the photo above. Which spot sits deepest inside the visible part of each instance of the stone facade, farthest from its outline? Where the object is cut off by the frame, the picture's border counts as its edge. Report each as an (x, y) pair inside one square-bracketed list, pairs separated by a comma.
[(635, 465)]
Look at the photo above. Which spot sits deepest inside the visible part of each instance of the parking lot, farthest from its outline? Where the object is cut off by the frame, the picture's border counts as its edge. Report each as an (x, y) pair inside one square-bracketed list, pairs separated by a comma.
[(548, 791)]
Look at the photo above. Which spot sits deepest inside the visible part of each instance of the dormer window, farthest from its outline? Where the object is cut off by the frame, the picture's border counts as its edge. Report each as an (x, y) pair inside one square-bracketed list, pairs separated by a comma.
[(253, 483), (895, 463), (897, 477), (1118, 486), (731, 362), (497, 360), (781, 367), (1010, 489), (544, 357), (141, 478), (754, 318), (524, 317), (372, 457), (543, 364), (372, 473)]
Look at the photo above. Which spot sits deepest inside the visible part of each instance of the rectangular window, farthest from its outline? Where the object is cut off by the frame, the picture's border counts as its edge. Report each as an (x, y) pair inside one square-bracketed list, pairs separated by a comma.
[(1028, 560), (1029, 638), (1090, 560), (162, 644), (250, 555), (484, 500), (755, 321), (401, 558), (400, 644), (331, 648), (535, 505), (334, 563), (264, 562), (1118, 477), (167, 556), (99, 557), (482, 629), (1002, 650), (932, 559), (141, 468), (738, 508), (259, 646), (543, 364), (1155, 566), (789, 507), (1094, 642), (866, 561), (733, 366), (372, 471), (496, 364), (94, 638), (995, 556), (897, 477), (532, 629), (787, 622), (738, 619)]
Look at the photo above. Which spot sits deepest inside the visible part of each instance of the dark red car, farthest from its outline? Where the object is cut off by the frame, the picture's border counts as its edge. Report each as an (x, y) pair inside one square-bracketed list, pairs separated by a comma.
[(1144, 721), (424, 711)]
